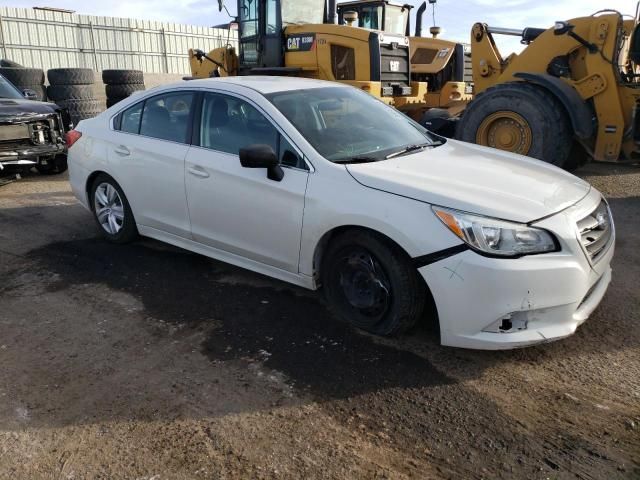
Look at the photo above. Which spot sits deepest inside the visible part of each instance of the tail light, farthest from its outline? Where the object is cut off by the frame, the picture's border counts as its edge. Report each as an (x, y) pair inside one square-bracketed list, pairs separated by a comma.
[(72, 137)]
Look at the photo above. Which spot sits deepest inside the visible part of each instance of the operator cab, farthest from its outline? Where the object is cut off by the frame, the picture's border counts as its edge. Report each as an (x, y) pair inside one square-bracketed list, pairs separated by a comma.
[(390, 17)]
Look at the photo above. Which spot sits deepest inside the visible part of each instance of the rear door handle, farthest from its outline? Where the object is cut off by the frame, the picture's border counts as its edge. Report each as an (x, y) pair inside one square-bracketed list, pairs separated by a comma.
[(198, 172), (122, 151)]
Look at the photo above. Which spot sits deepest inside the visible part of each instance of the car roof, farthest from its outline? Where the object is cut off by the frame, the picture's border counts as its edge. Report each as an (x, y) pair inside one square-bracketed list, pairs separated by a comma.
[(262, 83)]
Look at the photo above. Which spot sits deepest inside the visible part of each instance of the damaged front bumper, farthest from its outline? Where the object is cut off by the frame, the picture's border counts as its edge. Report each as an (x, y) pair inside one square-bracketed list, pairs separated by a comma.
[(493, 303), (29, 155)]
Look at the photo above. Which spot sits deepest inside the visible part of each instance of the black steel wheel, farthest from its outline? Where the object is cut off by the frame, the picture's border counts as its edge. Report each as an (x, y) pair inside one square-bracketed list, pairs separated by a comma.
[(370, 282)]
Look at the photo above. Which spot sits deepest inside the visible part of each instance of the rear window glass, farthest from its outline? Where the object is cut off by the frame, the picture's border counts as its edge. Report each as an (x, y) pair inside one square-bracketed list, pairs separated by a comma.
[(167, 117)]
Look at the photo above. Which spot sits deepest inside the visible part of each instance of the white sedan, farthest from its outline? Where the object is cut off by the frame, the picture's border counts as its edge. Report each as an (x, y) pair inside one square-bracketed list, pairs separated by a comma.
[(321, 185)]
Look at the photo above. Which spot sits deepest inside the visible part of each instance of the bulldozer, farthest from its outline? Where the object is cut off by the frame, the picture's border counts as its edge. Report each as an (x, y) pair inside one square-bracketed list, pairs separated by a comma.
[(300, 38), (571, 95), (439, 63)]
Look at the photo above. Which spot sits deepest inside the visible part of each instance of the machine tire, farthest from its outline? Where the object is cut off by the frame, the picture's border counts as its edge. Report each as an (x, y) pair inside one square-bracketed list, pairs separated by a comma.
[(128, 231), (392, 269), (70, 92), (113, 101), (123, 90), (40, 90), (545, 118), (122, 77), (23, 76), (80, 109), (9, 63), (71, 76)]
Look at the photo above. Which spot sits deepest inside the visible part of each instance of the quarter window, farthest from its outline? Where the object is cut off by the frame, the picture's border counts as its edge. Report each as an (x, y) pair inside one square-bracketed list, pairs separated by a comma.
[(167, 117), (130, 120)]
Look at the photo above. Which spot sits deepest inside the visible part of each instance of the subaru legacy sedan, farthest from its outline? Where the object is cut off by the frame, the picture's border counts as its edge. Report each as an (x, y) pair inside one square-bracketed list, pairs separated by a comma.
[(323, 186)]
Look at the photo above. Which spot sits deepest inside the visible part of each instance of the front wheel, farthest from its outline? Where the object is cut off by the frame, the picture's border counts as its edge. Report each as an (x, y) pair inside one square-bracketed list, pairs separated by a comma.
[(53, 166), (370, 283), (112, 211)]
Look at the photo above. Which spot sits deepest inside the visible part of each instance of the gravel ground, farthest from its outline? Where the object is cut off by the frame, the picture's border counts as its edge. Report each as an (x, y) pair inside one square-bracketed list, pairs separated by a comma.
[(148, 362)]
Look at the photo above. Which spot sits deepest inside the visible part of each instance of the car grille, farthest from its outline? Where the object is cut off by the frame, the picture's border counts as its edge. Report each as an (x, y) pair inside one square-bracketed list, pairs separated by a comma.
[(596, 232), (394, 64)]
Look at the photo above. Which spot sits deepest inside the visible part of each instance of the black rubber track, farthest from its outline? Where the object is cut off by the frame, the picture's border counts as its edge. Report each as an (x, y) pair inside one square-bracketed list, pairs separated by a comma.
[(549, 122), (124, 90), (70, 92), (122, 77), (23, 76), (71, 76)]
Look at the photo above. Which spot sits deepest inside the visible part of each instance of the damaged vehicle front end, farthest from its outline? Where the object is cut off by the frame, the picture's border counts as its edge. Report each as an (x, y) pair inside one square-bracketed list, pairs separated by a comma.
[(32, 134)]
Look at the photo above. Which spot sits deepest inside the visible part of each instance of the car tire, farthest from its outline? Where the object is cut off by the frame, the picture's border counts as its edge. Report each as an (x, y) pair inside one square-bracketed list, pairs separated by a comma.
[(53, 167), (123, 90), (121, 77), (113, 101), (70, 92), (528, 116), (71, 76), (371, 283), (106, 194), (9, 63)]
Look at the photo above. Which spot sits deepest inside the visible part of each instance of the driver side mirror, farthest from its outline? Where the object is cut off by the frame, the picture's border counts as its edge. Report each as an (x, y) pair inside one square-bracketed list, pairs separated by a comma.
[(29, 94), (262, 156), (562, 28), (220, 5)]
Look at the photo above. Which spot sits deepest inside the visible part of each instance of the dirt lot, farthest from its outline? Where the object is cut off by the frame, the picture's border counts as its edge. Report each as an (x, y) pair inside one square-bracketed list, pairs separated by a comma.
[(148, 362)]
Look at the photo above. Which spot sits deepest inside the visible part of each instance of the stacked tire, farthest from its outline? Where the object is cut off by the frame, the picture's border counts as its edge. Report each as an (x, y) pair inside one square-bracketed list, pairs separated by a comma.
[(119, 84), (72, 88), (23, 78)]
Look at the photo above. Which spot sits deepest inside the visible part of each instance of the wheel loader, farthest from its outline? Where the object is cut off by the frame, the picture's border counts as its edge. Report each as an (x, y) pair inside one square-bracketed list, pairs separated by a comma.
[(300, 38), (572, 94), (440, 63)]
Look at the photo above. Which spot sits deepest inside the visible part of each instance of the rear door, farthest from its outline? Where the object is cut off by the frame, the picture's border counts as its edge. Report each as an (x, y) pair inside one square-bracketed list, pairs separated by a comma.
[(148, 151)]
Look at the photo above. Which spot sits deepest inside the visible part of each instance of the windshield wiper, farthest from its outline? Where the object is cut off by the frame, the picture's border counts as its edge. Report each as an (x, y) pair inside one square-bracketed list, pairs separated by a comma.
[(412, 148), (362, 159)]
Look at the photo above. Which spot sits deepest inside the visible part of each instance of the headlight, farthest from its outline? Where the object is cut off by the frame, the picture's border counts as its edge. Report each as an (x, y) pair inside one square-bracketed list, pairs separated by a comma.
[(496, 237)]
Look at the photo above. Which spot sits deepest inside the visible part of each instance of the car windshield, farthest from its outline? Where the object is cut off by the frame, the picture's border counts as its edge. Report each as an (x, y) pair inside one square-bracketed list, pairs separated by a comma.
[(7, 90), (346, 124)]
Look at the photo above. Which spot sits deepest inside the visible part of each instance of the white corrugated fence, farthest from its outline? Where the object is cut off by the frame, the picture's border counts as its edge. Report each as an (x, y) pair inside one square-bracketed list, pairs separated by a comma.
[(52, 39)]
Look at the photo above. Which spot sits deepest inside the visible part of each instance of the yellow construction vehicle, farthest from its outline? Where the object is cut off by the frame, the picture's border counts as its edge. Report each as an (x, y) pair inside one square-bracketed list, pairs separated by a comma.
[(440, 63), (300, 38), (573, 93)]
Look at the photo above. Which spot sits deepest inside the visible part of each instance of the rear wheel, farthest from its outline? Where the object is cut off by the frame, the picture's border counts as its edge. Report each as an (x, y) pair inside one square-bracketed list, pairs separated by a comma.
[(370, 283), (112, 211), (519, 118)]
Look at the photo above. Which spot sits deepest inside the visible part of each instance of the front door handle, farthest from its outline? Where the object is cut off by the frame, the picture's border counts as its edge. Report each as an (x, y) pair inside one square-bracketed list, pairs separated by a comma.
[(198, 172), (122, 151)]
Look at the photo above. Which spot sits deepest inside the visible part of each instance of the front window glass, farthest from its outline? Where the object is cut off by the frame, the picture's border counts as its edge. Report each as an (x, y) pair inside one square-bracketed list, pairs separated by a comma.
[(396, 20), (7, 90), (248, 18), (229, 124), (346, 123)]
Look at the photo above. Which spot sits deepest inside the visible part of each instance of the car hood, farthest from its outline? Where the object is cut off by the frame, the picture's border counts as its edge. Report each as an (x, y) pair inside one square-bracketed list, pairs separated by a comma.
[(476, 179), (17, 111)]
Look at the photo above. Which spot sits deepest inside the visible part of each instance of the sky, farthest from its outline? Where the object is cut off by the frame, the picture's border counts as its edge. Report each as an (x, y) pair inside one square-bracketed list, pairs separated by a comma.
[(455, 17)]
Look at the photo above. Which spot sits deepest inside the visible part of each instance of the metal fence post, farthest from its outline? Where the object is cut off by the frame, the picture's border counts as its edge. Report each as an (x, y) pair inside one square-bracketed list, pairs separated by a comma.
[(2, 37), (166, 56), (93, 46)]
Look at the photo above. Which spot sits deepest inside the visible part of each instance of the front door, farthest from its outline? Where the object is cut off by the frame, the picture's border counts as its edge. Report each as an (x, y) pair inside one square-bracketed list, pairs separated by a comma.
[(239, 210)]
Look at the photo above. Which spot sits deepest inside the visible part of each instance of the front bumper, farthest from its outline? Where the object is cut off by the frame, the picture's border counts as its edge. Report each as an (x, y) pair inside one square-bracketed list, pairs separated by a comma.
[(29, 155), (541, 297)]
